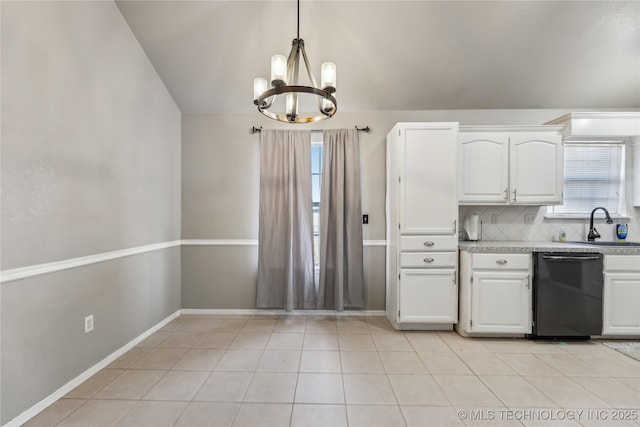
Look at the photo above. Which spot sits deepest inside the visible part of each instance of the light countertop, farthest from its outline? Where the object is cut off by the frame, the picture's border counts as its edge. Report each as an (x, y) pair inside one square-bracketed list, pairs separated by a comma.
[(528, 247)]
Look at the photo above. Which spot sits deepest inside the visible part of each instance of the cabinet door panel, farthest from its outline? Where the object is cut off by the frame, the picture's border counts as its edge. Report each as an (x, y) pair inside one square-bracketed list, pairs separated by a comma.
[(501, 302), (428, 296), (536, 168), (621, 299), (483, 167), (428, 186)]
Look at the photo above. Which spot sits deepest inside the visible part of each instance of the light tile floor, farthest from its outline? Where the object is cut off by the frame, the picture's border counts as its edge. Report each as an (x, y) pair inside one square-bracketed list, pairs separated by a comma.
[(349, 371)]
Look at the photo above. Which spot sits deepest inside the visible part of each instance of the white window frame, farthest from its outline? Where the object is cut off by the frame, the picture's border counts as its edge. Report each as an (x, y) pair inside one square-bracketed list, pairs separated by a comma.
[(622, 211), (317, 141)]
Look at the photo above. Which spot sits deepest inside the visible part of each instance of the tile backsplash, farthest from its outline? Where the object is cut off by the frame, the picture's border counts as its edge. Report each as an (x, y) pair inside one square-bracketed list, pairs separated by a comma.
[(509, 224)]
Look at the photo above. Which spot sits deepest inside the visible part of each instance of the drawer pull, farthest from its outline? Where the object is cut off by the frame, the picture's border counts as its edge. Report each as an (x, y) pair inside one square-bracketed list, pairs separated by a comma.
[(429, 243), (429, 260), (501, 261)]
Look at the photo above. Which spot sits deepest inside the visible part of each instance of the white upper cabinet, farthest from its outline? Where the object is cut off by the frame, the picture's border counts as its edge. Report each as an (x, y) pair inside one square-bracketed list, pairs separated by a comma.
[(428, 187), (536, 168), (484, 167), (510, 165)]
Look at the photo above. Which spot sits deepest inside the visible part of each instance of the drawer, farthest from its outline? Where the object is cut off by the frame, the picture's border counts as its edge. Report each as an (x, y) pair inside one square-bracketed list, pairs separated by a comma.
[(622, 263), (428, 259), (501, 261), (428, 243)]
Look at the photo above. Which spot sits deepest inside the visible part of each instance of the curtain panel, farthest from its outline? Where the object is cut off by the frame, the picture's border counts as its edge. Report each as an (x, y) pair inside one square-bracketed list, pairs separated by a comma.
[(341, 254), (285, 251)]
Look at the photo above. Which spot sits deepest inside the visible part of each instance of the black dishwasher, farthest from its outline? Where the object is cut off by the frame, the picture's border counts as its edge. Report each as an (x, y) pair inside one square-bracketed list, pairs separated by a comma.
[(567, 295)]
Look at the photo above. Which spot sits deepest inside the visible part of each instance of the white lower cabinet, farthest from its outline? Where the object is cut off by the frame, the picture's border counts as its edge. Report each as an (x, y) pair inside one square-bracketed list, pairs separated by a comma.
[(621, 299), (501, 302), (495, 294), (428, 296)]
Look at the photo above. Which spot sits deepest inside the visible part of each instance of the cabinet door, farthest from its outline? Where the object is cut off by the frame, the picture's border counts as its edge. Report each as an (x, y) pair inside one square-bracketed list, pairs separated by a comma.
[(501, 302), (483, 168), (621, 299), (536, 168), (428, 296), (428, 179)]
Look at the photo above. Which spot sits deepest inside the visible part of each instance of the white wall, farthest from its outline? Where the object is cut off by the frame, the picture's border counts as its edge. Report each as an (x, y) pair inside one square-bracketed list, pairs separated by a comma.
[(90, 164)]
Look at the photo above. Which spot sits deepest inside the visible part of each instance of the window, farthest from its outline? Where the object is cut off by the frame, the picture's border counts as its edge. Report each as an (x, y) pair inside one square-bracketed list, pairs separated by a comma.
[(316, 183), (593, 176)]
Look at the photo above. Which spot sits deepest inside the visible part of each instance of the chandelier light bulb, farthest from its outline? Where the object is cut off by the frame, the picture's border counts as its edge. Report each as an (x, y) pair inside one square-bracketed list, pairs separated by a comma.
[(259, 87), (328, 76), (289, 104), (278, 70)]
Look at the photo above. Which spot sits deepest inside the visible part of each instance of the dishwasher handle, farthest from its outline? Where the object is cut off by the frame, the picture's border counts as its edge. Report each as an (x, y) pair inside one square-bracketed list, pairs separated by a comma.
[(571, 258)]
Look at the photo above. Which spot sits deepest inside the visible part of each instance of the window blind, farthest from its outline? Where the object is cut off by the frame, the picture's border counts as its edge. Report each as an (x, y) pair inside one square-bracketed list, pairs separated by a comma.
[(593, 176)]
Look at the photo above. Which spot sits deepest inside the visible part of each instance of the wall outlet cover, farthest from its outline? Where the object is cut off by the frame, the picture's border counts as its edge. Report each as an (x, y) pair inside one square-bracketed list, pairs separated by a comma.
[(88, 324), (529, 218)]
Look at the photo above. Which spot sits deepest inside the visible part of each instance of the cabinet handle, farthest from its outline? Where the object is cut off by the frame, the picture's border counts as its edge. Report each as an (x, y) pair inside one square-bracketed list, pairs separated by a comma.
[(454, 225), (429, 243), (515, 195), (506, 193), (428, 260), (526, 282), (501, 261)]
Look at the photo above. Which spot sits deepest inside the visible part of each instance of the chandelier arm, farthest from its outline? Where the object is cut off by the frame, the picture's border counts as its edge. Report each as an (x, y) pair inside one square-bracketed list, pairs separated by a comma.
[(311, 77), (306, 63), (266, 103)]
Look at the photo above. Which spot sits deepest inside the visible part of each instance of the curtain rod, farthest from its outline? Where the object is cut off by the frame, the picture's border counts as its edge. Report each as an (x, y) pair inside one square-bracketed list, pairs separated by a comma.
[(365, 129)]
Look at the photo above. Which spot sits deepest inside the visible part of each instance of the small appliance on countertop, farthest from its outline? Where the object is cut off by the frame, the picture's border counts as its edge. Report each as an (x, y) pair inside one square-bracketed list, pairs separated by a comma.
[(472, 226)]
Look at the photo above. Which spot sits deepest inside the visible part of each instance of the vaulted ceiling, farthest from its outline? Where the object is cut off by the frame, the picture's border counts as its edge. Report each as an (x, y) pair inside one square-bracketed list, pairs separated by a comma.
[(400, 55)]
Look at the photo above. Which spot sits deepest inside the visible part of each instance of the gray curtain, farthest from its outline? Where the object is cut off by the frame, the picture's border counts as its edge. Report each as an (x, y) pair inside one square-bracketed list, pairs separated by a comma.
[(285, 251), (341, 282)]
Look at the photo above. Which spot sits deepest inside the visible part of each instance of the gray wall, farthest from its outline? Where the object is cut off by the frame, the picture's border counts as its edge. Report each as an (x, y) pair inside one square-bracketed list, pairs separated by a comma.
[(90, 164), (220, 190)]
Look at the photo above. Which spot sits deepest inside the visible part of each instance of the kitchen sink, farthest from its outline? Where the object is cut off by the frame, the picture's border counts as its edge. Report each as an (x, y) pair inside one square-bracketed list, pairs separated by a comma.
[(617, 244)]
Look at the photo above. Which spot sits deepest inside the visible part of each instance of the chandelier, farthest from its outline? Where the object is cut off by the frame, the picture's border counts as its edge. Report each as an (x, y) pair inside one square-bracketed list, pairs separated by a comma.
[(284, 81)]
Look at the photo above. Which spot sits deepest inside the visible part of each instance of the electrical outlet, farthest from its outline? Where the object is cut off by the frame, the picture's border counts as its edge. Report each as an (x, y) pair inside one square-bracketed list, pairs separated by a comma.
[(529, 218), (88, 324), (365, 219), (494, 218)]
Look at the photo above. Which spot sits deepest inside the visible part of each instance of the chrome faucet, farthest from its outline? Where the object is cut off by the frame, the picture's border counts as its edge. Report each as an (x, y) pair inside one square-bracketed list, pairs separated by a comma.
[(593, 233)]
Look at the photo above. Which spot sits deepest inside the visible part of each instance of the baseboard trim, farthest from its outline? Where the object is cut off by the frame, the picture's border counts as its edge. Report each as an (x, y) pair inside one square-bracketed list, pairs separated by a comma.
[(51, 267), (59, 393), (261, 312)]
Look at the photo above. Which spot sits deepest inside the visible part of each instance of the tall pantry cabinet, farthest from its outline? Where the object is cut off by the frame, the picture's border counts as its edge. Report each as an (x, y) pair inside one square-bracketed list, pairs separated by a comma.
[(422, 225)]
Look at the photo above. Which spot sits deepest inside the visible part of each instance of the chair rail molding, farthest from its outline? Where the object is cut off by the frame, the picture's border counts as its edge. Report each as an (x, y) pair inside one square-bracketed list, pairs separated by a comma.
[(14, 274)]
